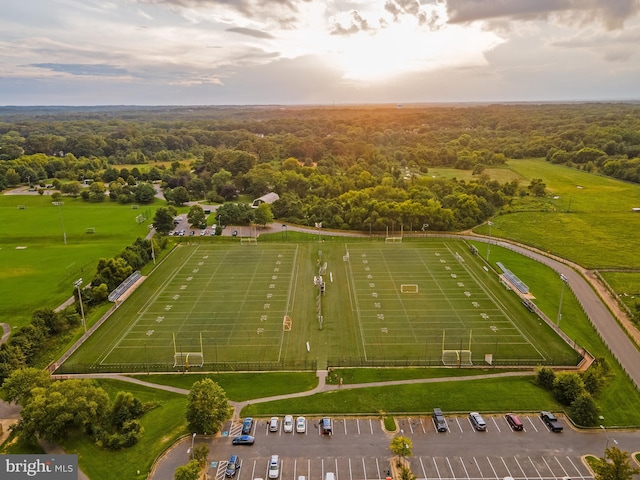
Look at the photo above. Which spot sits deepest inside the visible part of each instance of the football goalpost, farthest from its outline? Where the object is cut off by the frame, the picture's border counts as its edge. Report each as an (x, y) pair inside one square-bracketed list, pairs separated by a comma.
[(394, 239), (187, 359), (248, 241), (456, 357)]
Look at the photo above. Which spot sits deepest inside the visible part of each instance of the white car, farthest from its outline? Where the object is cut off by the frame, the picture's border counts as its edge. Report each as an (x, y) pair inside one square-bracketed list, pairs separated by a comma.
[(301, 425), (274, 466), (287, 425)]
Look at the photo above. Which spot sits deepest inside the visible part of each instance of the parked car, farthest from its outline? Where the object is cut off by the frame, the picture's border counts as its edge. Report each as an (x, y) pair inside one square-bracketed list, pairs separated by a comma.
[(234, 233), (301, 424), (287, 425), (325, 426), (273, 424), (243, 440), (514, 422), (233, 466), (477, 421), (247, 426), (551, 421), (274, 466), (439, 421)]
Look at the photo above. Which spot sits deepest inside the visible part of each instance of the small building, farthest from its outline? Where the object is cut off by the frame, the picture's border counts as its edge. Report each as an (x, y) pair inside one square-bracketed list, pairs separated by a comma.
[(266, 198)]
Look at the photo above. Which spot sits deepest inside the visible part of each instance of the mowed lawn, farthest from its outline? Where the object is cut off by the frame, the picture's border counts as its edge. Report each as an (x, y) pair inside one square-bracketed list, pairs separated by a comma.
[(585, 218), (228, 302), (38, 268)]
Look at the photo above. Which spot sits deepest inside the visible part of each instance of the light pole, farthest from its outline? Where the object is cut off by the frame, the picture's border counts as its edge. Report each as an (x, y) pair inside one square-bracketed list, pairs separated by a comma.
[(606, 445), (489, 244), (564, 281), (190, 450), (77, 284)]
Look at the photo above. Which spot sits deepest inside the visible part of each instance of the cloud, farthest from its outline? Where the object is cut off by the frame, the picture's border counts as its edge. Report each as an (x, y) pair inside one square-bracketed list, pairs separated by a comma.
[(83, 69), (249, 8), (611, 13), (617, 47), (250, 32), (356, 23)]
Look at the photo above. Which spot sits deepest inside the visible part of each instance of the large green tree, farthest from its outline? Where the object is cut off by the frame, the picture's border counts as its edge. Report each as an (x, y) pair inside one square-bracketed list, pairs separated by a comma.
[(616, 465), (263, 214), (163, 219), (207, 407), (196, 216)]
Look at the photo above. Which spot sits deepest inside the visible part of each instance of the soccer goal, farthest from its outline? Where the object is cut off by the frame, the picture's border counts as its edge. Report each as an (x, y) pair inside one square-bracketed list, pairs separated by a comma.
[(409, 288), (248, 241), (286, 323), (393, 240)]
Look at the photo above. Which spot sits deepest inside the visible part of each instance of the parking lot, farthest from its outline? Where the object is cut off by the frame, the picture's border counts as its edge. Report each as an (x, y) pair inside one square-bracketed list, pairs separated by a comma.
[(358, 450)]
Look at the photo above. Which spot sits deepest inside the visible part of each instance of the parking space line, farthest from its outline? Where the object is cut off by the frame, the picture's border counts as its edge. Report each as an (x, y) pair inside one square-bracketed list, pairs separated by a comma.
[(524, 475), (453, 474), (464, 467), (548, 466), (534, 467), (350, 470), (478, 467), (364, 469), (531, 422), (371, 426), (506, 467), (345, 426), (495, 474), (308, 468), (358, 425), (336, 461), (577, 470), (377, 467), (424, 472), (496, 423), (253, 470), (459, 426), (435, 464), (410, 425), (564, 470), (422, 425)]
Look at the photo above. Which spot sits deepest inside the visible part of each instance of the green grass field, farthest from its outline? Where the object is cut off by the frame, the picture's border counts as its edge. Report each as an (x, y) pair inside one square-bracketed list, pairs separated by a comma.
[(38, 268), (229, 301)]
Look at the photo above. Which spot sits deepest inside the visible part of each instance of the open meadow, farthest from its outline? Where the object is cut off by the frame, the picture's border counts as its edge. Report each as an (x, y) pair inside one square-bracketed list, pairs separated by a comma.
[(45, 248), (384, 304)]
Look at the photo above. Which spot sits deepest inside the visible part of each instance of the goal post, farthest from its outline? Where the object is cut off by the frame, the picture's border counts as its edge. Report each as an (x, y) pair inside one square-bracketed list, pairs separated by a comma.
[(248, 241), (456, 356), (189, 358), (286, 323), (393, 240), (408, 288)]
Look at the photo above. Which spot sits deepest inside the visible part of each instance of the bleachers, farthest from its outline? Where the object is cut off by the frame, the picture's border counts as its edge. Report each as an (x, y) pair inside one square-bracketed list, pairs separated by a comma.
[(513, 279), (124, 286)]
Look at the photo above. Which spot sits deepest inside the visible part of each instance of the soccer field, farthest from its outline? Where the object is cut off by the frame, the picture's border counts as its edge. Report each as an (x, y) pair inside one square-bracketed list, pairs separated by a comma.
[(224, 304)]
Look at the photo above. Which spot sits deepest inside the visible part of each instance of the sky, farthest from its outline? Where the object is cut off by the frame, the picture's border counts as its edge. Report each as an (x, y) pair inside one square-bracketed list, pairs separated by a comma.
[(289, 52)]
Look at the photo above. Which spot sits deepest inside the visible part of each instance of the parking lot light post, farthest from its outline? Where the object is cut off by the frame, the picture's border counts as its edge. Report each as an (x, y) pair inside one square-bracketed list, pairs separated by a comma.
[(77, 284), (190, 450), (606, 445), (564, 281)]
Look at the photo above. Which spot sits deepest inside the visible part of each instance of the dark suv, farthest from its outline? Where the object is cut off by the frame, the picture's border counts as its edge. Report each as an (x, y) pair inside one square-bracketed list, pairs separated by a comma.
[(247, 425), (439, 420), (233, 466)]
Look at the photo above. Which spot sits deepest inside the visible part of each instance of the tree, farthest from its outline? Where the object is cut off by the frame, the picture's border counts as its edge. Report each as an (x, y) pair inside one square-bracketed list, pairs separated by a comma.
[(17, 387), (567, 387), (145, 193), (545, 377), (584, 411), (179, 195), (163, 219), (201, 453), (263, 214), (54, 411), (207, 407), (401, 446), (537, 187), (190, 471), (616, 465), (196, 216)]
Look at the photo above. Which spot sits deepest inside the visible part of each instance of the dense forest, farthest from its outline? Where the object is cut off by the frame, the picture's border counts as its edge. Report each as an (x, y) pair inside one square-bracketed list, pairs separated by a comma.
[(363, 167)]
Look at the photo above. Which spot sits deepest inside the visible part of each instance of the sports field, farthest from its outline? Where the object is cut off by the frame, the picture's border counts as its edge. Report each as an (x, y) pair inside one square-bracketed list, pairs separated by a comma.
[(383, 303)]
